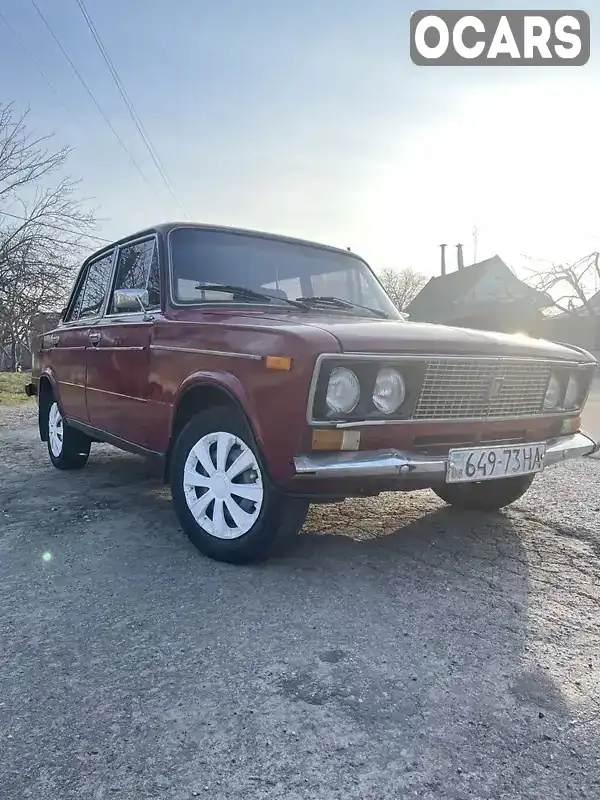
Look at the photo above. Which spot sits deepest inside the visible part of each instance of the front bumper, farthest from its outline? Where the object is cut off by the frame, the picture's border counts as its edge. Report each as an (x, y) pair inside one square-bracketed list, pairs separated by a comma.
[(396, 463)]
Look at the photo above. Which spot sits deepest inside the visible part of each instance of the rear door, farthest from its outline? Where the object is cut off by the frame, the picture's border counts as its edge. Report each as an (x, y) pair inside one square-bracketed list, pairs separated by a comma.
[(67, 345), (118, 362)]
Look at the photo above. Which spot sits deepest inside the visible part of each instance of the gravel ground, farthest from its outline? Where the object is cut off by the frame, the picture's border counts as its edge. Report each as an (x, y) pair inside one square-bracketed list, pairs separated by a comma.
[(403, 650)]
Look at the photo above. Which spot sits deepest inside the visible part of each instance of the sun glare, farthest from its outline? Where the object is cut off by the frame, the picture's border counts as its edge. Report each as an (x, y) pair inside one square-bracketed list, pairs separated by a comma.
[(498, 159)]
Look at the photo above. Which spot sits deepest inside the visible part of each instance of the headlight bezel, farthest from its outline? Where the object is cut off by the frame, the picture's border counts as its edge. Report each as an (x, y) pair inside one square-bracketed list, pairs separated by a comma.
[(366, 369), (564, 376)]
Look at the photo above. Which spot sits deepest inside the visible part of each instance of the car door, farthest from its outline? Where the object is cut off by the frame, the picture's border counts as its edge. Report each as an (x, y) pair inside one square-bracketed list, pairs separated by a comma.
[(118, 361), (67, 345)]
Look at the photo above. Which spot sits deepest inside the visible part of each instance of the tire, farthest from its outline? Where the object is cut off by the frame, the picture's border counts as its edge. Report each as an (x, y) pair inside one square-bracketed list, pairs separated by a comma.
[(68, 448), (250, 523), (484, 496)]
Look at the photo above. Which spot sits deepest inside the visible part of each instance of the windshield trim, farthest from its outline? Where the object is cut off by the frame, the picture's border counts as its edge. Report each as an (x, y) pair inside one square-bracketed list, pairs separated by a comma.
[(211, 304)]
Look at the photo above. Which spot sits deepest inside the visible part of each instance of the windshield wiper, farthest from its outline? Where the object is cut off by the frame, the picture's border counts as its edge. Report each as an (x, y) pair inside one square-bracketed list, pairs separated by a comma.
[(337, 302), (248, 294)]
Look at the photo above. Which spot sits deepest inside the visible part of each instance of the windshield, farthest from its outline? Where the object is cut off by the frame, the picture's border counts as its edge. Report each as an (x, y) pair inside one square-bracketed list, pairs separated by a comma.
[(281, 269)]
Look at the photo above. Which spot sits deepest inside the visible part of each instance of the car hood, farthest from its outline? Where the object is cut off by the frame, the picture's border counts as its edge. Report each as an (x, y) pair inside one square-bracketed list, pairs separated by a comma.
[(391, 336)]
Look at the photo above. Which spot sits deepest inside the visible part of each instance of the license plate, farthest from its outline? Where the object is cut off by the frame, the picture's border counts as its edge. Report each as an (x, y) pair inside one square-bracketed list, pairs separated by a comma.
[(486, 463)]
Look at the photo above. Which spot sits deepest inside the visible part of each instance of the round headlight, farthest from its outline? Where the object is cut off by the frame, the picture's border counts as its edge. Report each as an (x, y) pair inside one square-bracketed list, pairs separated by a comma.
[(572, 394), (343, 391), (389, 392), (552, 394)]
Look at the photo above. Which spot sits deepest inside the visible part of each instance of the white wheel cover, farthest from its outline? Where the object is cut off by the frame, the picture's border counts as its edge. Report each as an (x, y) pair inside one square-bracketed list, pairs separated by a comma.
[(55, 430), (223, 485)]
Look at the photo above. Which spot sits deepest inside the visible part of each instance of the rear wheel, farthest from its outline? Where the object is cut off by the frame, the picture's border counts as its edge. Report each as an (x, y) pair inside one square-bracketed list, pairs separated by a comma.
[(485, 496), (222, 495), (68, 448)]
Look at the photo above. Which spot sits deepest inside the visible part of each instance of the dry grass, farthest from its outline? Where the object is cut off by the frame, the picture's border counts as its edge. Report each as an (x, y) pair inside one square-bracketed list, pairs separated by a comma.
[(12, 387)]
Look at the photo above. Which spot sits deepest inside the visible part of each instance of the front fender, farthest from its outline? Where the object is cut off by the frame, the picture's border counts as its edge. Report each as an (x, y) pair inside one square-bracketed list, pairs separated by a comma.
[(232, 386)]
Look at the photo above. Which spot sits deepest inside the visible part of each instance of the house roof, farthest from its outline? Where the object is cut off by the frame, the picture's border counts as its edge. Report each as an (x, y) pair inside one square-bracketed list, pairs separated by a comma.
[(442, 296)]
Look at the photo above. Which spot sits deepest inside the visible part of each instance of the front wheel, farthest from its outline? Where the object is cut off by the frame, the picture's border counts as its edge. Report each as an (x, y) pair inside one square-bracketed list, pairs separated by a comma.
[(67, 447), (484, 496), (222, 495)]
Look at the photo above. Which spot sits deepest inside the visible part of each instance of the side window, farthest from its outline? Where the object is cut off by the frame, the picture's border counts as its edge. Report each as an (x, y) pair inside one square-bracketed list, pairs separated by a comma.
[(92, 289), (76, 306), (96, 286), (137, 268)]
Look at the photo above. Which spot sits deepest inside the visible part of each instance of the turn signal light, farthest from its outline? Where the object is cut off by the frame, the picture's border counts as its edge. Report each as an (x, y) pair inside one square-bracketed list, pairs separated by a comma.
[(335, 440), (572, 425), (283, 363)]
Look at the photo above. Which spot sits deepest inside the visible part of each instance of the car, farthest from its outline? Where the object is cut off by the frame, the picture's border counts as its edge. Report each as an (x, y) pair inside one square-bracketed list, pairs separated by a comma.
[(264, 373)]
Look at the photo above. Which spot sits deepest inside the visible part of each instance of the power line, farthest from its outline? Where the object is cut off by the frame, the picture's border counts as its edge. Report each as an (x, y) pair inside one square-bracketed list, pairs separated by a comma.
[(89, 91), (130, 107), (27, 52), (58, 228)]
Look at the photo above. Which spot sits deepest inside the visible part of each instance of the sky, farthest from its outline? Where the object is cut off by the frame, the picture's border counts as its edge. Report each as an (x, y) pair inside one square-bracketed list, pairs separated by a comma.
[(308, 118)]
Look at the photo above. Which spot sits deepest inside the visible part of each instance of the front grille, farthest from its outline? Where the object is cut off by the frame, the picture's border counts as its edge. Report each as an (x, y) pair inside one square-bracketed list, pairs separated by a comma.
[(472, 389)]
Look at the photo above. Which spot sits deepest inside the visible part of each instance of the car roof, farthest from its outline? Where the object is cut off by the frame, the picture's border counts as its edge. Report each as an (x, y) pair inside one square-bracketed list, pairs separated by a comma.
[(164, 228)]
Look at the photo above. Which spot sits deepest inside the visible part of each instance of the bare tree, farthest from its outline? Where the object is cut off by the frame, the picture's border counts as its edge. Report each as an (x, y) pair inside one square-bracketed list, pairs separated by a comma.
[(402, 285), (570, 285), (43, 230)]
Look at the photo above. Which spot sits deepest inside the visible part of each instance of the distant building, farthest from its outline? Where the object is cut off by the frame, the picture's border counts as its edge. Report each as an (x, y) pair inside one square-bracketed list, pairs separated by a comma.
[(486, 295), (14, 355)]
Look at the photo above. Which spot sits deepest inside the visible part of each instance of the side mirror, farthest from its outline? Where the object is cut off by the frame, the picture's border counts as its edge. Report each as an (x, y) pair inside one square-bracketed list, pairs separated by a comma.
[(131, 299)]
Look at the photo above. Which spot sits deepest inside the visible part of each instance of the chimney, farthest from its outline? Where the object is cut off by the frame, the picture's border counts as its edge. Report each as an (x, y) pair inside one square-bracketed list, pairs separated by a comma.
[(443, 249), (459, 256)]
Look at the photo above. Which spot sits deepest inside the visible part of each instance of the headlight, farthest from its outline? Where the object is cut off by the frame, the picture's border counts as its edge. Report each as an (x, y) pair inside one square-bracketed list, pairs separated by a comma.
[(573, 393), (552, 394), (389, 392), (343, 391)]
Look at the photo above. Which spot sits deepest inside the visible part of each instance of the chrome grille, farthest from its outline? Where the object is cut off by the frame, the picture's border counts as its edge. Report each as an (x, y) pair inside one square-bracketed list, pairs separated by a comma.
[(472, 389)]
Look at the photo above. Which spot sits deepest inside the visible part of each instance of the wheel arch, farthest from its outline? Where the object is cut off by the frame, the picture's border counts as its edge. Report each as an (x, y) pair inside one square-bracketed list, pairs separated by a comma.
[(47, 391), (209, 390)]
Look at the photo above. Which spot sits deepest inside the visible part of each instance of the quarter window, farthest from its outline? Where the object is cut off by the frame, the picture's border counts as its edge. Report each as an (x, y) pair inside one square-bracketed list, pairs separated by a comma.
[(137, 268)]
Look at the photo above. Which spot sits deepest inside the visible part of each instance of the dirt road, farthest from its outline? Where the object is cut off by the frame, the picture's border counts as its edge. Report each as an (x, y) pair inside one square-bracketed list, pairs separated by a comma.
[(402, 651)]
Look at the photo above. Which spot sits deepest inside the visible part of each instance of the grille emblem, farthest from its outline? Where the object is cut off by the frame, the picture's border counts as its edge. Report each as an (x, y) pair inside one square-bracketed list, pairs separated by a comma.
[(496, 387)]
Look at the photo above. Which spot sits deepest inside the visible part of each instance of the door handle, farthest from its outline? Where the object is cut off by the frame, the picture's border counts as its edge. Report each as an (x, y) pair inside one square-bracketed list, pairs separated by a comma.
[(54, 339), (94, 337)]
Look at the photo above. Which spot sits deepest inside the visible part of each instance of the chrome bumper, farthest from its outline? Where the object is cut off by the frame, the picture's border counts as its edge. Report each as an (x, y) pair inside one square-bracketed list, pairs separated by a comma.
[(390, 463)]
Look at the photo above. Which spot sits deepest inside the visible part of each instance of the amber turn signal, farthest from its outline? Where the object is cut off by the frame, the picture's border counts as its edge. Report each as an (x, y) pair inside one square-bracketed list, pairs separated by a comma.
[(335, 440), (283, 363), (571, 425)]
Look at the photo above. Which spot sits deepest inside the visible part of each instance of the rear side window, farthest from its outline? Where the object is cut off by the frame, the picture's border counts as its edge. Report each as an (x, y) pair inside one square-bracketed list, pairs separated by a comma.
[(137, 268), (92, 289)]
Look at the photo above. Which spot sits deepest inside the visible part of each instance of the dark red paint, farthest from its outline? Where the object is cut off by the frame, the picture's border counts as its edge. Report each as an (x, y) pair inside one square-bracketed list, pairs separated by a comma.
[(118, 375)]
